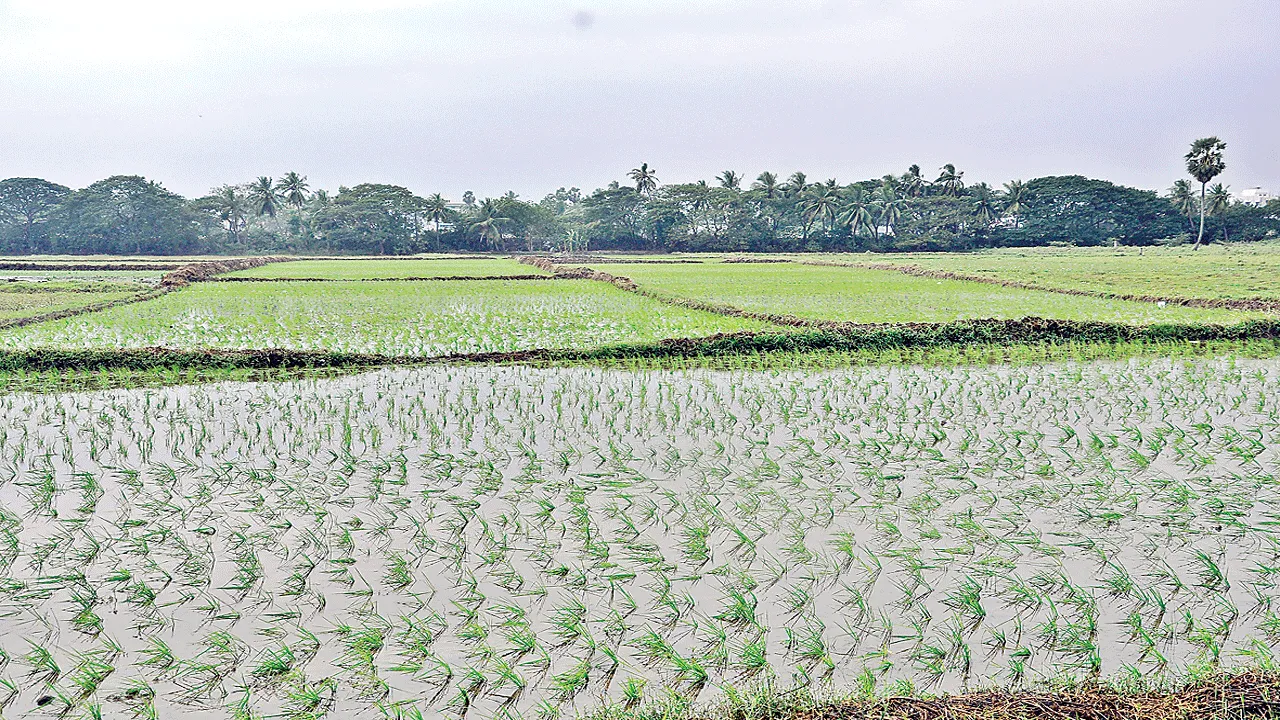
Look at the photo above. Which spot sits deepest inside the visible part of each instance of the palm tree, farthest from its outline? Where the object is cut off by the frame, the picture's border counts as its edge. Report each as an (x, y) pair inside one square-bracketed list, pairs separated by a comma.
[(1185, 200), (437, 209), (645, 178), (1204, 163), (767, 183), (294, 189), (823, 206), (488, 230), (983, 203), (489, 224), (797, 184), (1219, 201), (857, 214), (266, 200), (912, 183), (891, 207), (701, 196), (730, 180), (1014, 190), (950, 180)]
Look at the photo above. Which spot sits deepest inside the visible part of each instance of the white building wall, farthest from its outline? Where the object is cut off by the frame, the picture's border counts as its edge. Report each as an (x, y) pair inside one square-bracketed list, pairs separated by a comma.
[(1256, 196)]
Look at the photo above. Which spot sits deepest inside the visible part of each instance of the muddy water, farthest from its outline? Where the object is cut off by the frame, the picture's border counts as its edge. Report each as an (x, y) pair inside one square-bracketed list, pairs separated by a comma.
[(495, 539)]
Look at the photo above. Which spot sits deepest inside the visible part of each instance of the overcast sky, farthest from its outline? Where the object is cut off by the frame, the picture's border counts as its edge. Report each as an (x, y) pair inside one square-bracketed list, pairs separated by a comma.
[(529, 95)]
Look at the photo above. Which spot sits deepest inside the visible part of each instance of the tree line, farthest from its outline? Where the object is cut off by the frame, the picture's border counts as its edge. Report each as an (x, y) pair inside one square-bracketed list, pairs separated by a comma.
[(906, 212)]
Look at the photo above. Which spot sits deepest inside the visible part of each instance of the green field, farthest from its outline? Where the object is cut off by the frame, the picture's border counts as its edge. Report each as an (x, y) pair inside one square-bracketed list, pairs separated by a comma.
[(1215, 271), (409, 318), (408, 267), (543, 540), (880, 296)]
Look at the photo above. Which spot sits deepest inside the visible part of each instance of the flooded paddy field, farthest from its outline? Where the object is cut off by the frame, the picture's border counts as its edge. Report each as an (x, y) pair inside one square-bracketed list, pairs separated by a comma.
[(508, 541)]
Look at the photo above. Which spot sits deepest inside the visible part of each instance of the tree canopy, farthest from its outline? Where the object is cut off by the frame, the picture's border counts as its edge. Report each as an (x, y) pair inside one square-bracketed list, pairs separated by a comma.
[(133, 215)]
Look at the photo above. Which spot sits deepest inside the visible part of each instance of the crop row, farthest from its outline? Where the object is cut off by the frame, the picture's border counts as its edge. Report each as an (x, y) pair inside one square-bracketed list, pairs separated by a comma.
[(519, 540)]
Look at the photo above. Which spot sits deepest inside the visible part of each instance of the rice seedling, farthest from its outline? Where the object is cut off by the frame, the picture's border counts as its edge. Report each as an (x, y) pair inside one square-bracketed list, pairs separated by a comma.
[(408, 318), (532, 541), (874, 295)]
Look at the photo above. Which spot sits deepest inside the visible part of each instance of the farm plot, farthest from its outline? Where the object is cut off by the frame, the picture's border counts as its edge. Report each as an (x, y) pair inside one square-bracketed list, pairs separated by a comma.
[(513, 541), (875, 296), (18, 302), (1214, 272), (407, 318), (409, 267)]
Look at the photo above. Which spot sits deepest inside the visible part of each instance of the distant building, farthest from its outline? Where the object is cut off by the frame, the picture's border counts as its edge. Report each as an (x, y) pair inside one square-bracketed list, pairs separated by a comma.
[(1256, 196)]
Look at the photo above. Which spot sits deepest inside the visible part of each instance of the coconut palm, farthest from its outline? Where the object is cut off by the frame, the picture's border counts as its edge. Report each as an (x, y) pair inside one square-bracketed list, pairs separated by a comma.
[(1204, 163), (858, 213), (891, 207), (912, 182), (767, 183), (294, 189), (488, 230), (701, 196), (950, 180), (1184, 199), (265, 197), (983, 204), (1219, 201), (437, 209), (1014, 190), (823, 206), (797, 184), (489, 222), (645, 178), (730, 180)]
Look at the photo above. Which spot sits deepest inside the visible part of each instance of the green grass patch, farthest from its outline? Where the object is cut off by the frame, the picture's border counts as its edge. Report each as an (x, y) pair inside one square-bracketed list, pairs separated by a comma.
[(881, 296)]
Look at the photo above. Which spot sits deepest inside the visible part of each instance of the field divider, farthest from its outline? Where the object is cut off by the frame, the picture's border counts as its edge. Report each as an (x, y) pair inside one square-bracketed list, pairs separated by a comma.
[(1257, 305), (1238, 694), (205, 270)]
